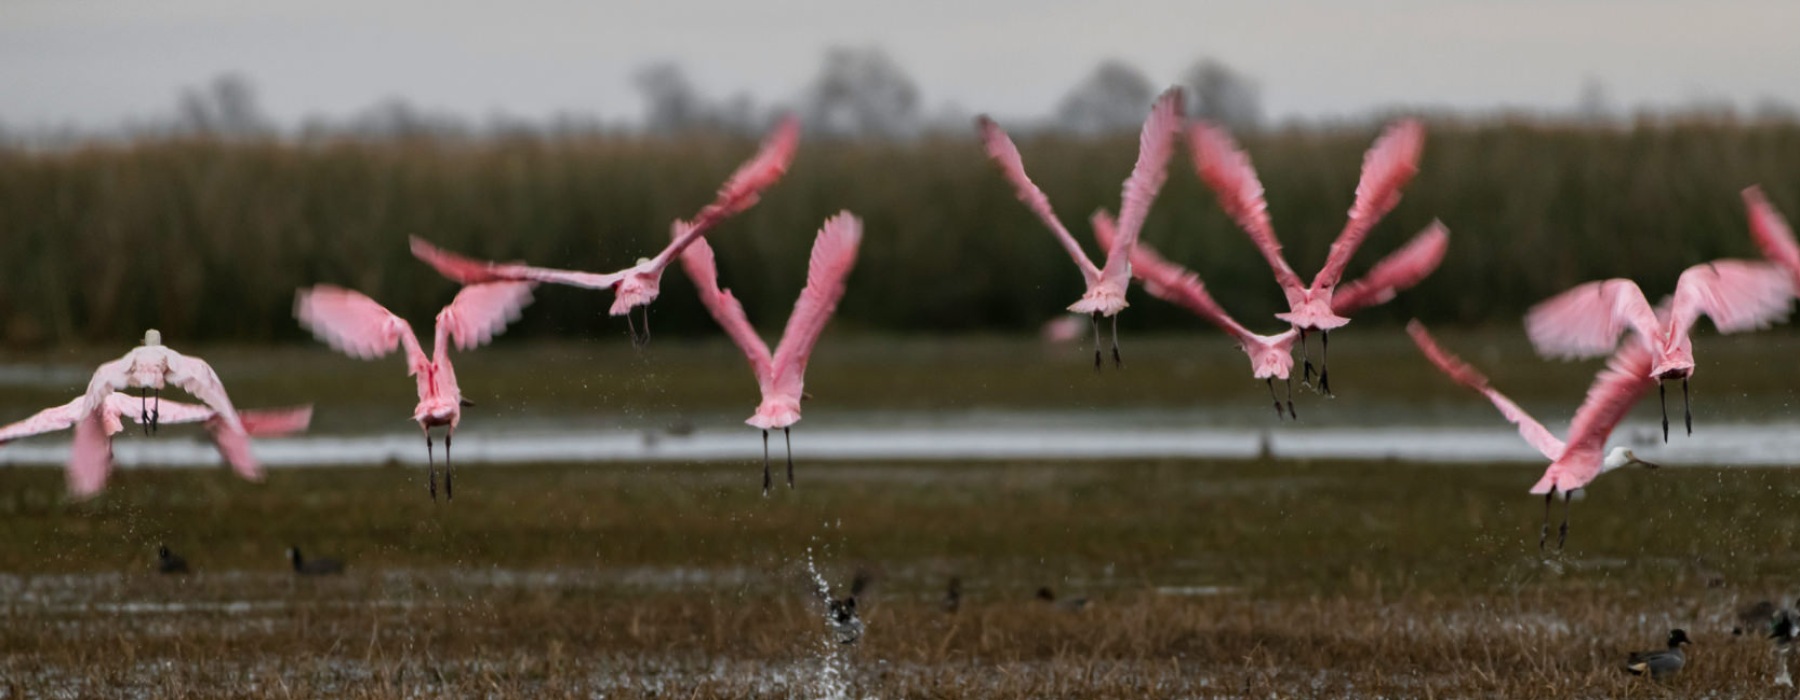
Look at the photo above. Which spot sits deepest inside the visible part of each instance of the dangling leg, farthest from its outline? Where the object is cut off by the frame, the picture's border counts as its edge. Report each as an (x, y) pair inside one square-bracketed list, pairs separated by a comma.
[(155, 410), (1662, 398), (1544, 534), (1290, 398), (449, 468), (790, 449), (430, 467), (1273, 397), (1118, 362), (1563, 534), (765, 463), (1306, 371), (646, 339), (1687, 410), (144, 411), (1096, 318), (1325, 363)]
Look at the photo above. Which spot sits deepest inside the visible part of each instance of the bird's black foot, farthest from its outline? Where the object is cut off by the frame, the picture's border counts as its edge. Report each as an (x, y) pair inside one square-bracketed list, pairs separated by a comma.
[(790, 456), (1325, 382), (766, 481)]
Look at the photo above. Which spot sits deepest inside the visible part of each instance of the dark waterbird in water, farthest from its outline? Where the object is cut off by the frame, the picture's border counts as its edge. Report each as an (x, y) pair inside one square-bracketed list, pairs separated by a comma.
[(1658, 664), (313, 567), (840, 613), (169, 562), (1071, 604), (953, 595)]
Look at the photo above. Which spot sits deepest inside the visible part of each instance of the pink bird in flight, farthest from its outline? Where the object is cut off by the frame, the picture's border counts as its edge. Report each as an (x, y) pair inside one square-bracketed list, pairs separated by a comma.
[(1587, 320), (1388, 166), (639, 284), (1576, 463), (150, 367), (359, 327), (1106, 284), (1272, 356), (90, 456), (781, 376)]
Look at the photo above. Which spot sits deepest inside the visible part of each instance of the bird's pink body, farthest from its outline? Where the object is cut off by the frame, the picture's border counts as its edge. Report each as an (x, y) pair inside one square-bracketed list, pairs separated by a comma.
[(1579, 461), (639, 284), (1106, 284), (1389, 165), (91, 455)]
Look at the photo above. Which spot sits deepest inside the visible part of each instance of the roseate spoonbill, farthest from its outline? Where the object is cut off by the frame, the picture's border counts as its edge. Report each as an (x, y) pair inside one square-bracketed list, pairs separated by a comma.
[(313, 567), (1272, 356), (639, 284), (782, 376), (359, 327), (90, 456), (168, 562), (149, 367), (1771, 233), (1387, 167), (1657, 664), (1106, 285), (1583, 458), (1587, 320)]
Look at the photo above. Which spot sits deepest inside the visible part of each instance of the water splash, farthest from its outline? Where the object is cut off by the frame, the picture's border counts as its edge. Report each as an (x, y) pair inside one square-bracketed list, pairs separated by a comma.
[(833, 680)]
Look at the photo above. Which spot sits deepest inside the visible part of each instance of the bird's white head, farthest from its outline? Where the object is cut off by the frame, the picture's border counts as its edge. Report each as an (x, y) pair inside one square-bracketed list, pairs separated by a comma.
[(152, 337), (1624, 457)]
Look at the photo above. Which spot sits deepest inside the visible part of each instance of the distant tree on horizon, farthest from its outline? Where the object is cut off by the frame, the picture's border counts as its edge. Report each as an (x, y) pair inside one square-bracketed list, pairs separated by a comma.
[(1114, 97)]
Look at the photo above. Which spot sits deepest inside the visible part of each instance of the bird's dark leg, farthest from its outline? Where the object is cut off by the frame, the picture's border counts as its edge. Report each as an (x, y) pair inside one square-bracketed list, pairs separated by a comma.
[(1687, 409), (765, 462), (449, 469), (1325, 363), (1306, 370), (631, 328), (1544, 534), (144, 411), (644, 341), (790, 451), (1096, 318), (1562, 534), (1662, 398), (430, 467), (1274, 398), (1118, 362), (155, 409), (1290, 398)]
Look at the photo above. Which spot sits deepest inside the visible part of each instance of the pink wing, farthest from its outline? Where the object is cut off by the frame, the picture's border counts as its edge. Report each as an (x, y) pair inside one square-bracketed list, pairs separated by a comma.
[(108, 378), (471, 271), (833, 254), (1171, 282), (1387, 167), (1463, 374), (1000, 148), (746, 185), (1586, 320), (90, 456), (234, 447), (1227, 170), (275, 422), (697, 260), (1771, 232), (1397, 272), (196, 377), (48, 420), (481, 311), (1625, 379), (1738, 295), (355, 325), (1155, 144)]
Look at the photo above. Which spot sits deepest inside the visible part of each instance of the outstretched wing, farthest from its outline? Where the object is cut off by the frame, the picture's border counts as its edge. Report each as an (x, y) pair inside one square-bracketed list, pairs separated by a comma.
[(90, 456), (1738, 295), (48, 420), (833, 254), (1387, 167), (1155, 144), (1624, 380), (745, 186), (1171, 282), (467, 270), (697, 260), (481, 311), (275, 422), (1453, 366), (1397, 272), (1586, 320), (196, 377), (1001, 150), (355, 325), (1771, 232), (1226, 169)]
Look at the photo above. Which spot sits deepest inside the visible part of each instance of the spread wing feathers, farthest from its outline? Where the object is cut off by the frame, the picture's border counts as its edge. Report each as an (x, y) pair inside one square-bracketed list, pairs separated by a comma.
[(1155, 144), (272, 422), (1001, 150), (1738, 295), (1387, 167), (1453, 366), (1586, 320), (48, 420), (90, 456), (833, 254), (1171, 282), (355, 325), (234, 447), (697, 260), (1397, 272), (481, 311), (1226, 169), (465, 270), (1616, 388), (1771, 231), (745, 186), (196, 377)]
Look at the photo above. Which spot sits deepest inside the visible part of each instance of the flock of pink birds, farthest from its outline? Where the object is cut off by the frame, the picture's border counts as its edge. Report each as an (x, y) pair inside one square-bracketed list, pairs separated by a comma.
[(1648, 344)]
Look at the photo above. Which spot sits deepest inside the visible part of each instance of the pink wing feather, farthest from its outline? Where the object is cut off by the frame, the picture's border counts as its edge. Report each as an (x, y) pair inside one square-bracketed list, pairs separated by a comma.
[(1387, 167), (1586, 320), (1738, 296), (745, 186), (90, 456), (833, 254), (1227, 170), (356, 325), (1397, 272), (481, 311), (466, 270), (196, 377), (1155, 144), (48, 420), (1616, 388), (697, 260), (275, 422), (1771, 232), (1001, 150), (1171, 282), (1453, 366)]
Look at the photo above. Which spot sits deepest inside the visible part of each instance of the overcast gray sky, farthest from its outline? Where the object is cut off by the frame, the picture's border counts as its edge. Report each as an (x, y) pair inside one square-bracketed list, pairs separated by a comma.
[(96, 62)]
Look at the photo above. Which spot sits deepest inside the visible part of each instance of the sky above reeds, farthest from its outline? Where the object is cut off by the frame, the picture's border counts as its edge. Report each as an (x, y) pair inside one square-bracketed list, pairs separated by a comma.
[(95, 63)]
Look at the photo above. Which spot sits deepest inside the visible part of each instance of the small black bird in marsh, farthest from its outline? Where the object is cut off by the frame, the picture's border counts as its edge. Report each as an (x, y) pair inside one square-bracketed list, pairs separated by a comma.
[(313, 567), (1069, 604), (953, 595), (1784, 629), (1658, 664), (168, 562), (840, 613)]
